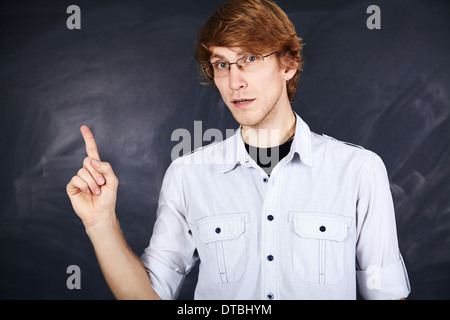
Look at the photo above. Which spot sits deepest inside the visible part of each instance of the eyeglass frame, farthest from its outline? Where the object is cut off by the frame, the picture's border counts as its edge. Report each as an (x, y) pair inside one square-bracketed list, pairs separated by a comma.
[(236, 63)]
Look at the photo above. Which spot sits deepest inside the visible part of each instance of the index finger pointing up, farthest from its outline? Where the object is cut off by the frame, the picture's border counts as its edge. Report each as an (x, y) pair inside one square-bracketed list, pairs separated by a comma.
[(91, 146)]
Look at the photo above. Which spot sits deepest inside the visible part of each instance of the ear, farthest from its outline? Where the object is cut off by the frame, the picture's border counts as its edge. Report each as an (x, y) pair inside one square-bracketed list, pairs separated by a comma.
[(288, 74), (288, 68)]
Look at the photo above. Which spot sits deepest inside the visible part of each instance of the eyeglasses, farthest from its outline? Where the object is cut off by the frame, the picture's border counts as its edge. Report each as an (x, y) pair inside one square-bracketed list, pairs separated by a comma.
[(248, 62)]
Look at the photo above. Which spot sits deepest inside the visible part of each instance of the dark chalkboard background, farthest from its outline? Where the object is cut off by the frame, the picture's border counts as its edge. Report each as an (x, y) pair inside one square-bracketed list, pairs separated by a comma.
[(130, 75)]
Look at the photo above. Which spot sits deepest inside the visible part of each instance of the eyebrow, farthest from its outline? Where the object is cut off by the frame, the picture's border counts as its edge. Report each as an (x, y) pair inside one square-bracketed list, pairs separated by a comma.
[(217, 56), (239, 53)]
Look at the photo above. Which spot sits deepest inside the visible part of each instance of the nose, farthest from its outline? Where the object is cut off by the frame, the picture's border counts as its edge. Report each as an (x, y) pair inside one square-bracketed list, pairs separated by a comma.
[(236, 78)]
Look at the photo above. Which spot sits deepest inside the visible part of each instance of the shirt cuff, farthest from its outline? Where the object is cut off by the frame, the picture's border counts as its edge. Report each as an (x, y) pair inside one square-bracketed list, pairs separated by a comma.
[(166, 282), (384, 283)]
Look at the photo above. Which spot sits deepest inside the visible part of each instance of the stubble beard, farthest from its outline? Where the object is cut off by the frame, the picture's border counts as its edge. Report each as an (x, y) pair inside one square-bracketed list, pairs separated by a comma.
[(258, 117)]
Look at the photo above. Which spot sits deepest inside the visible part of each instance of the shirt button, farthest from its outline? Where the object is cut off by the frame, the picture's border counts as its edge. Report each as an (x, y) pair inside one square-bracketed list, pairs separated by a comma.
[(270, 217), (270, 257), (270, 296), (322, 229), (218, 230), (265, 180)]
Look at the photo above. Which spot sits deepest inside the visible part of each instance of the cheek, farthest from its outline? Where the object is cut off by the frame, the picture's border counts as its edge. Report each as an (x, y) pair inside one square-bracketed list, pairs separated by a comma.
[(221, 85), (269, 83), (270, 75)]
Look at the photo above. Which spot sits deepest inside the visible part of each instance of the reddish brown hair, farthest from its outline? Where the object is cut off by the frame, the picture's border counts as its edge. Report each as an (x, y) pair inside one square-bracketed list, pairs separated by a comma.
[(255, 26)]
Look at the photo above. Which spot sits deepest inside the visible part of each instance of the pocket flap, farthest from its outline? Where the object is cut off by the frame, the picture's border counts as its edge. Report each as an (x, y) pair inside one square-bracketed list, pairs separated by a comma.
[(319, 225), (221, 227)]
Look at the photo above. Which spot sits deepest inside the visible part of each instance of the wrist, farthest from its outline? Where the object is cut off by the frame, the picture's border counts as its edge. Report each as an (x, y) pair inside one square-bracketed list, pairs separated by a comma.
[(105, 226)]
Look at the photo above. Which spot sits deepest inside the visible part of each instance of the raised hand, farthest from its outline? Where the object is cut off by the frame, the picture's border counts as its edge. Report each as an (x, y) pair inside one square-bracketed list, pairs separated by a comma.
[(93, 191)]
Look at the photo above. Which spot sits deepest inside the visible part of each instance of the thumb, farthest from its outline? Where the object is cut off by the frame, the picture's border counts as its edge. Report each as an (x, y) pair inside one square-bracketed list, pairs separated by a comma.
[(107, 171)]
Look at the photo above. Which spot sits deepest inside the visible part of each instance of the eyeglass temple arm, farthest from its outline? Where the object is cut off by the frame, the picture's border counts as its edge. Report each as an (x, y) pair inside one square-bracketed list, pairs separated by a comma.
[(270, 54)]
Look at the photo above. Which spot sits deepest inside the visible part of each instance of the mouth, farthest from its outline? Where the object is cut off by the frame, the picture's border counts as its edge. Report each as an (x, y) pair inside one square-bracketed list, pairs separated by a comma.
[(242, 103)]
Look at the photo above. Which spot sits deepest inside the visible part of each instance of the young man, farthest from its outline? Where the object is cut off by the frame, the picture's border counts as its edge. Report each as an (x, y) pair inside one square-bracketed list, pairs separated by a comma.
[(310, 221)]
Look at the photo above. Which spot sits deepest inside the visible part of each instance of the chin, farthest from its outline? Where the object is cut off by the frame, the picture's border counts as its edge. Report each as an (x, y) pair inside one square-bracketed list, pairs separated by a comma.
[(247, 119)]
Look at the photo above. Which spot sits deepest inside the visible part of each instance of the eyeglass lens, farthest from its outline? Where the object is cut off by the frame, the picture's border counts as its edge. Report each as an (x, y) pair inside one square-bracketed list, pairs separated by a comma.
[(246, 63)]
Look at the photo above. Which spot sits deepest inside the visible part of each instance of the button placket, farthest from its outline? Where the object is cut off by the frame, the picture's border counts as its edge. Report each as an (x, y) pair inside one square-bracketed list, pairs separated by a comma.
[(270, 238)]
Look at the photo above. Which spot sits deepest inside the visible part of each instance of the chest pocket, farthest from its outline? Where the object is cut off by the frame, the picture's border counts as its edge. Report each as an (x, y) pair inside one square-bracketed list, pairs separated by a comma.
[(319, 245), (224, 247)]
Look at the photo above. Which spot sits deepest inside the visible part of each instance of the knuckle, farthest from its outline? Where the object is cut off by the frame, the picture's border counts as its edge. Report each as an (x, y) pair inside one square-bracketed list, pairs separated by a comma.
[(81, 172), (75, 180), (86, 161)]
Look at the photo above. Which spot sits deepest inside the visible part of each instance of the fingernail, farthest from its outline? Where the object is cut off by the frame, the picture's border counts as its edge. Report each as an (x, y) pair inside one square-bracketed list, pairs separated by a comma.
[(100, 181), (97, 191), (96, 163)]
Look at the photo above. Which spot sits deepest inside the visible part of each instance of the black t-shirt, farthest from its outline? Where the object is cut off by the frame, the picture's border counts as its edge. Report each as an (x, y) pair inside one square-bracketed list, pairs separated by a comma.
[(268, 158)]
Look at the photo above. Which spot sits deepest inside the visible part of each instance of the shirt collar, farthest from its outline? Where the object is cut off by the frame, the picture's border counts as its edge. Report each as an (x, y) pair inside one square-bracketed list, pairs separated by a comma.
[(237, 154), (302, 142)]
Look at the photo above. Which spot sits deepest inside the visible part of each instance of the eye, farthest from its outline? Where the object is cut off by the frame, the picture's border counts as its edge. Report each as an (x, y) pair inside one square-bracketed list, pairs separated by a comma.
[(251, 59), (221, 65)]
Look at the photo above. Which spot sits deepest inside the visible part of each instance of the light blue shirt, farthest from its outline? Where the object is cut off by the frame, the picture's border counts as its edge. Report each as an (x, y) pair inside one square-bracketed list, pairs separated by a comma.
[(320, 226)]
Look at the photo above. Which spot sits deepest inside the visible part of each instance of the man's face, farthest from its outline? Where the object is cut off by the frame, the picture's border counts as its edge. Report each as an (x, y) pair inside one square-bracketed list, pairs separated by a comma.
[(256, 97)]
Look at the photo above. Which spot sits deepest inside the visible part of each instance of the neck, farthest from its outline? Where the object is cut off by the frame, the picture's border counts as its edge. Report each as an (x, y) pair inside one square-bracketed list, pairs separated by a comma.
[(272, 134)]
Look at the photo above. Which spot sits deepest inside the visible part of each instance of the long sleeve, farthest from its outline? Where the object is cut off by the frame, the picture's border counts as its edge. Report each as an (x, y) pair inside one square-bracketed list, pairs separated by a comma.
[(381, 272), (171, 252)]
